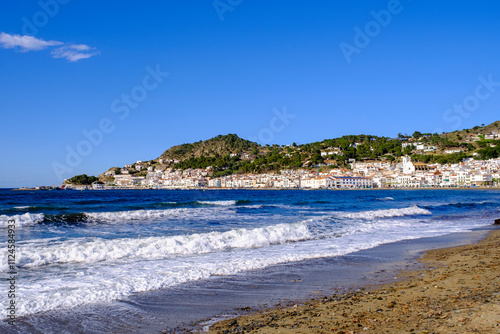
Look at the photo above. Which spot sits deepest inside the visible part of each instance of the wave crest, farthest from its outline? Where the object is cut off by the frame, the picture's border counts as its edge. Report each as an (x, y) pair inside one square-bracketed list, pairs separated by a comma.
[(410, 211), (222, 203), (114, 216), (22, 220), (97, 250)]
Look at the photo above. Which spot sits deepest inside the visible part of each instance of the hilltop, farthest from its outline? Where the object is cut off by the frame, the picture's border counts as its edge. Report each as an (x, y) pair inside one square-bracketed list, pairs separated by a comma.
[(477, 130), (217, 146)]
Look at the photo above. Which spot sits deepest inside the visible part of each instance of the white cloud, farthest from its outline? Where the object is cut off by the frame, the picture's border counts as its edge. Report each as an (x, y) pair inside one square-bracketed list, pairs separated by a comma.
[(74, 52), (71, 52), (26, 43)]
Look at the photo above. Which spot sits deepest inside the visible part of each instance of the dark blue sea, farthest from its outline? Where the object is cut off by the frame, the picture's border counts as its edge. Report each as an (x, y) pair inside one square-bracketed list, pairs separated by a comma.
[(79, 250)]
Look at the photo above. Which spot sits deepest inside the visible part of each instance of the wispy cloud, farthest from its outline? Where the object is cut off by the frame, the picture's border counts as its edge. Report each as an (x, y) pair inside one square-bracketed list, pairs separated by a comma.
[(26, 43), (71, 52), (74, 52)]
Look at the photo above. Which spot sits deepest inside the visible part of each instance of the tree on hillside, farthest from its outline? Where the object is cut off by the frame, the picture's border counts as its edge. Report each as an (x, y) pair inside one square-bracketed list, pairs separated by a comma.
[(489, 153), (408, 149), (83, 179)]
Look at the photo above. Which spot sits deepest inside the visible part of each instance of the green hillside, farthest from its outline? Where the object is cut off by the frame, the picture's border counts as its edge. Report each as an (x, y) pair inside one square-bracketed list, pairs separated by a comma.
[(217, 146), (228, 154)]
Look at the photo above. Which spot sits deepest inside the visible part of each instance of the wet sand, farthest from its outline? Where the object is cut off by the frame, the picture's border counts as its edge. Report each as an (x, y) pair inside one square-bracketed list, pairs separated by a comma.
[(456, 292)]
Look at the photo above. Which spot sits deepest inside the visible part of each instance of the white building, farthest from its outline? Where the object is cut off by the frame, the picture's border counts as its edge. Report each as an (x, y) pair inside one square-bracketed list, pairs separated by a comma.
[(321, 182), (408, 167), (352, 182), (481, 179), (453, 151), (379, 182), (214, 183)]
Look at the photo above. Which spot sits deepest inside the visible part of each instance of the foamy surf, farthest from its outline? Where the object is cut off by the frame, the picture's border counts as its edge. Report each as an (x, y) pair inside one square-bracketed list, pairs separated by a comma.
[(144, 249), (115, 217), (26, 219), (151, 215), (221, 203), (410, 211)]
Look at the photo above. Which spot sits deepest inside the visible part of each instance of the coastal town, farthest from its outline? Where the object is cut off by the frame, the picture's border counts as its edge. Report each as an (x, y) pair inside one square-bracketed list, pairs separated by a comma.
[(465, 159), (361, 175)]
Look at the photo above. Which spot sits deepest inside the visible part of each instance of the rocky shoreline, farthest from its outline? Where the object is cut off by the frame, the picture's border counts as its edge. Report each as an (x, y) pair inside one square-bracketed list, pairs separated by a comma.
[(456, 292)]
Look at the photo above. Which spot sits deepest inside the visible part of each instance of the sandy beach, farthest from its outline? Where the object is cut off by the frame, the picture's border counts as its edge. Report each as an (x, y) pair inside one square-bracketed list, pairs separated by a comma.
[(457, 291)]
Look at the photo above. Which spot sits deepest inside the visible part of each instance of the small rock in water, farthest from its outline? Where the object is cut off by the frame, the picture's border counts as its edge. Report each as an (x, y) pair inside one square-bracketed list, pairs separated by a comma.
[(497, 222)]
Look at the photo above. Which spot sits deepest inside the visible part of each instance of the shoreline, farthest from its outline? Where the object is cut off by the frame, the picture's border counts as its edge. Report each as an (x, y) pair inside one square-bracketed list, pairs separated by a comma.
[(455, 290), (193, 306)]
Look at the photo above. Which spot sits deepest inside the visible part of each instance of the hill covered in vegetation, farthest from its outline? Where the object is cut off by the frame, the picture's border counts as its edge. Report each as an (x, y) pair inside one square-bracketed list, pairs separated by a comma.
[(217, 146), (229, 154)]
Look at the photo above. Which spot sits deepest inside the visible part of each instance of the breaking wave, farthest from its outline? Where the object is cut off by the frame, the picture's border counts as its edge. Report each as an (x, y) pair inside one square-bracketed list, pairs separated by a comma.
[(22, 220), (222, 203), (445, 206), (410, 211), (97, 250)]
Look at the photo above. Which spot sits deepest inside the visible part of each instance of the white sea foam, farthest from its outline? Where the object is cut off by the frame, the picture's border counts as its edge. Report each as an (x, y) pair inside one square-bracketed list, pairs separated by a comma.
[(145, 215), (252, 206), (458, 203), (22, 220), (91, 251), (259, 206), (410, 211), (127, 216), (222, 203), (385, 199)]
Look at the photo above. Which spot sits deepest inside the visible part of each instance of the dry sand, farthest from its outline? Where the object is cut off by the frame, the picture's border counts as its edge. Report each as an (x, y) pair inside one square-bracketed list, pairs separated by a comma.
[(457, 292)]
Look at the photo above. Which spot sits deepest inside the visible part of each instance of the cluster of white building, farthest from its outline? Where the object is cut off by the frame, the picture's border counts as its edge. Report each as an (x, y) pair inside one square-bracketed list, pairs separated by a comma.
[(362, 175), (198, 178), (469, 173)]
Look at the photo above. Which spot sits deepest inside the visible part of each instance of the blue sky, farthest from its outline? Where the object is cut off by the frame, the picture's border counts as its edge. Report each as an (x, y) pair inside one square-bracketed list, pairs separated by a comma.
[(270, 71)]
